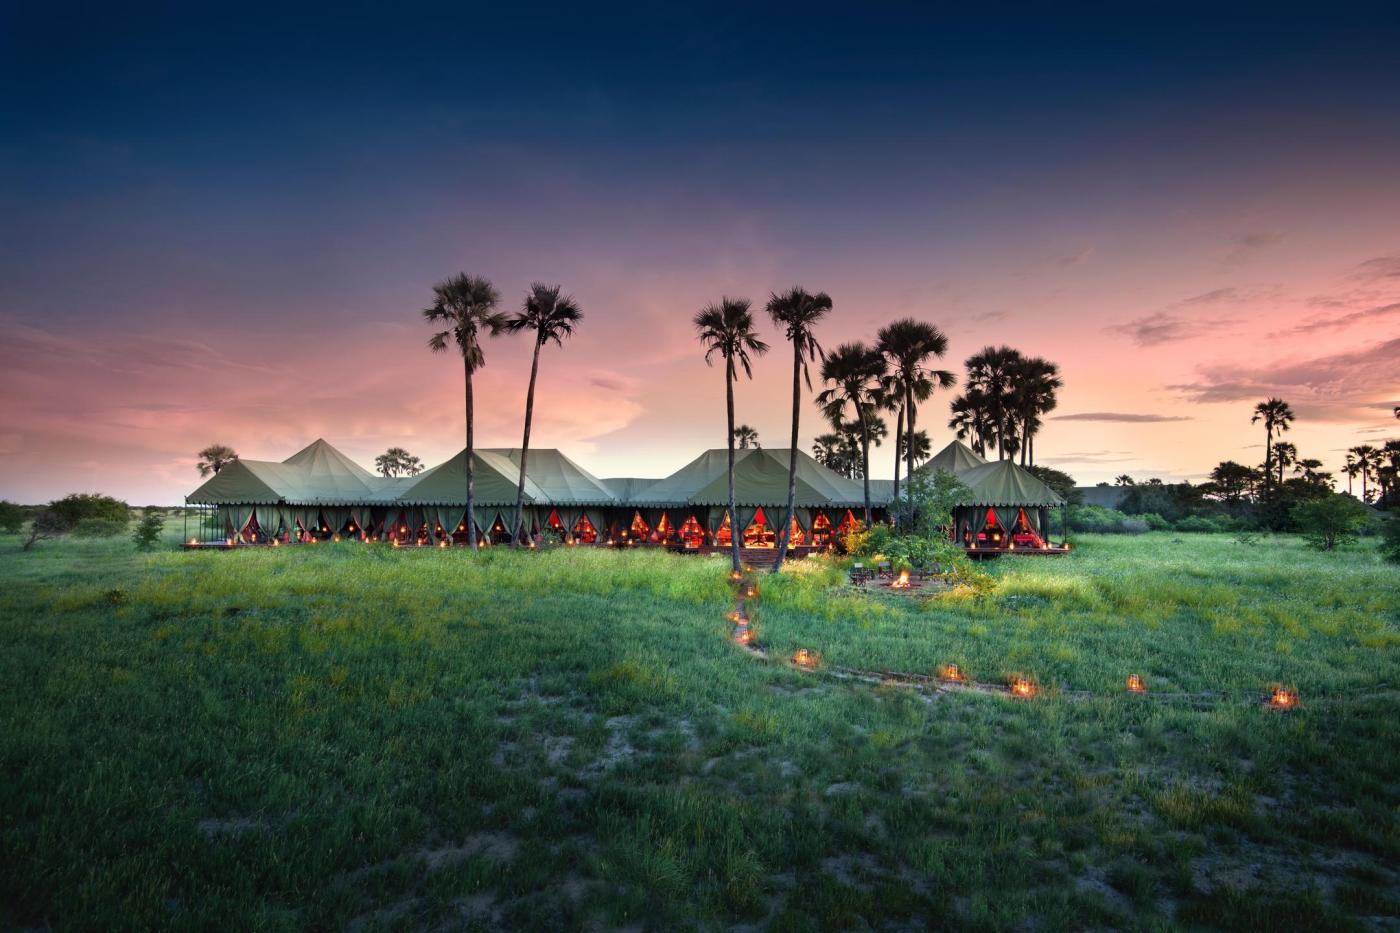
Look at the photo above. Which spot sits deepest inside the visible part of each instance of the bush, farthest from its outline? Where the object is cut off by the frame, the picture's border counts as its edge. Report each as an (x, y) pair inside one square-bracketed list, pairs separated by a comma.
[(99, 527), (1390, 540), (1200, 523), (1156, 522), (1097, 519), (84, 506), (47, 524), (1330, 523), (11, 517), (147, 533)]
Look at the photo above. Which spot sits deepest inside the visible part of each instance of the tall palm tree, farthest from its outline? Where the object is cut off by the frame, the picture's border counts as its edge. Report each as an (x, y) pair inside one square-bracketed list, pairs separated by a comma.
[(972, 419), (466, 304), (854, 371), (916, 444), (746, 437), (1285, 455), (1277, 416), (826, 450), (908, 345), (990, 372), (214, 458), (1366, 456), (797, 312), (727, 329), (1351, 468), (553, 316), (1035, 382)]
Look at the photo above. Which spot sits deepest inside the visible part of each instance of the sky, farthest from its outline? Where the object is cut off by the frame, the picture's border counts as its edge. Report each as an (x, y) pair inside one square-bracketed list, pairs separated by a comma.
[(220, 224)]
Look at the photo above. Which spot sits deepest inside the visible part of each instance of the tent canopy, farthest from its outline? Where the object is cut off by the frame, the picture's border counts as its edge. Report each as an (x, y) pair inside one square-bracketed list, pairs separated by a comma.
[(760, 478), (559, 480), (957, 458), (1003, 483)]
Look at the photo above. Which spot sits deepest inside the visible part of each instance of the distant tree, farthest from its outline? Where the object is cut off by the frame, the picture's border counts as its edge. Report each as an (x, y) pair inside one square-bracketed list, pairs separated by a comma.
[(853, 372), (552, 316), (1285, 455), (915, 447), (1277, 417), (973, 419), (214, 458), (727, 329), (398, 462), (1034, 384), (1387, 471), (1232, 483), (1311, 470), (1330, 522), (1062, 483), (990, 379), (1123, 479), (826, 450), (746, 437), (147, 533), (11, 517), (797, 312), (87, 507), (1365, 457), (47, 525), (466, 304)]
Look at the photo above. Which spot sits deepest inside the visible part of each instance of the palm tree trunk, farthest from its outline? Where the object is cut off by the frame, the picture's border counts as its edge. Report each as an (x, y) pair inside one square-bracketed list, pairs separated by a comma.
[(525, 445), (1268, 454), (471, 484), (865, 460), (909, 415), (1025, 439), (735, 532), (898, 437), (792, 457)]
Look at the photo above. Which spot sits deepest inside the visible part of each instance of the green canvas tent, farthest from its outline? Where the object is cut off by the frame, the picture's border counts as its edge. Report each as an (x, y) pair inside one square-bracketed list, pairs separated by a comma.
[(494, 478), (760, 479), (1003, 490), (627, 488), (957, 458), (559, 480)]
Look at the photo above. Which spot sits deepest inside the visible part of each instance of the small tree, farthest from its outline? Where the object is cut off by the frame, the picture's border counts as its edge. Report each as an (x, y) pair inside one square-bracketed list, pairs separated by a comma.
[(47, 524), (11, 517), (1390, 540), (928, 510), (147, 533), (1330, 522)]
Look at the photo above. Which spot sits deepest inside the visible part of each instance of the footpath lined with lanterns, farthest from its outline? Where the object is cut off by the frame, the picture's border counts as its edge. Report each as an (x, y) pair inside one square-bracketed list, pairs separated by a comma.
[(950, 678), (320, 494)]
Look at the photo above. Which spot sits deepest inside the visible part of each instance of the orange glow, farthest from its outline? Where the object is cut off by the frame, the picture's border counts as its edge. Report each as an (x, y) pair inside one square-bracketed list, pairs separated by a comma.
[(901, 582), (1021, 687), (952, 673), (804, 658), (1284, 698), (744, 635), (1135, 684)]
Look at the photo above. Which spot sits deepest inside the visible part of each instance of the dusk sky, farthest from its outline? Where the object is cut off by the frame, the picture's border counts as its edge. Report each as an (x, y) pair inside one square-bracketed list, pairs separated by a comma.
[(220, 224)]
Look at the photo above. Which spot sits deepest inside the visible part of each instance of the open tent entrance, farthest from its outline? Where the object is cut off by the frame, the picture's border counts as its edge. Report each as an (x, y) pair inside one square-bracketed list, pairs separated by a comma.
[(849, 524), (639, 530), (821, 530), (584, 531), (692, 533), (1023, 534)]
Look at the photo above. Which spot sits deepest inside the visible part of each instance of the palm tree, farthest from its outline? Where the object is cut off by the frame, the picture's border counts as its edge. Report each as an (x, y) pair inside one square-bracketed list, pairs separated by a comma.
[(908, 345), (1277, 416), (552, 316), (991, 373), (854, 372), (214, 458), (797, 312), (746, 437), (467, 305), (396, 461), (1366, 458), (917, 445), (1035, 382), (826, 450), (727, 329), (972, 419), (1285, 455), (1351, 468), (1123, 479)]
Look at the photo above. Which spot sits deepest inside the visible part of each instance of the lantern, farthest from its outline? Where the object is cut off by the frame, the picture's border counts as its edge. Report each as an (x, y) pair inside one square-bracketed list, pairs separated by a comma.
[(743, 635), (804, 659), (396, 542), (194, 541), (952, 673), (1022, 687), (1284, 698), (1135, 684)]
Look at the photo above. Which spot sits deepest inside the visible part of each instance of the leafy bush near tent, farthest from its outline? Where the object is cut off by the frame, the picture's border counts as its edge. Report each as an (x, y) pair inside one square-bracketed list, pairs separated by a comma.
[(1329, 523), (11, 517), (147, 533), (1097, 519), (1156, 522)]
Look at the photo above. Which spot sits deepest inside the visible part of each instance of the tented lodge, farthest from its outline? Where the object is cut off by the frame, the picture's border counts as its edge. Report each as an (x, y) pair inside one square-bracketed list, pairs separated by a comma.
[(320, 493)]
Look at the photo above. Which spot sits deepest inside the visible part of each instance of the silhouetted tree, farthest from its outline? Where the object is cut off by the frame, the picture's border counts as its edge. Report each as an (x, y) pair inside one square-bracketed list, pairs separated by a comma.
[(908, 346), (214, 458), (1277, 416), (746, 437), (398, 462), (854, 371)]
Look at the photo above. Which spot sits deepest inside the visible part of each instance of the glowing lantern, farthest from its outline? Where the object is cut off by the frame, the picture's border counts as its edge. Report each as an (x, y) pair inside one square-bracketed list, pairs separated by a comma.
[(1135, 684), (230, 542), (275, 542), (194, 541), (335, 539), (736, 618), (1283, 698), (735, 576), (1021, 687), (744, 635), (804, 658), (442, 543), (751, 592), (396, 542), (952, 673)]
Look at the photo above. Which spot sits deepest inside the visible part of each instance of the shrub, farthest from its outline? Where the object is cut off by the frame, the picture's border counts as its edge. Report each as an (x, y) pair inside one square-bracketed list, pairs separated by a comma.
[(147, 533), (1100, 520), (1156, 522), (82, 506), (1329, 523), (99, 527), (47, 524), (1202, 523), (1390, 540), (11, 517)]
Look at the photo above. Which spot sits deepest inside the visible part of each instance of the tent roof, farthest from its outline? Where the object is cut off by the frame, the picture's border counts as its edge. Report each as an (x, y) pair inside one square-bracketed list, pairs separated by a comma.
[(560, 480), (316, 475), (956, 458), (494, 481), (626, 488), (760, 478), (1004, 483)]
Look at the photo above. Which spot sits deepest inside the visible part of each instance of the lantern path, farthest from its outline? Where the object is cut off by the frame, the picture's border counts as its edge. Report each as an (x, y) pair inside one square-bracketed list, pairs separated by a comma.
[(926, 683)]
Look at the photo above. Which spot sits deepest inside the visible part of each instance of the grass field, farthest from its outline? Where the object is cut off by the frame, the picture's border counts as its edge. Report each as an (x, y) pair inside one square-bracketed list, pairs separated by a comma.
[(353, 736)]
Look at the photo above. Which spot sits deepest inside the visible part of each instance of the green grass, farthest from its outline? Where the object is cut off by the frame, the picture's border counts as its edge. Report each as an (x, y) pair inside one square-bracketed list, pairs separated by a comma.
[(351, 735)]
